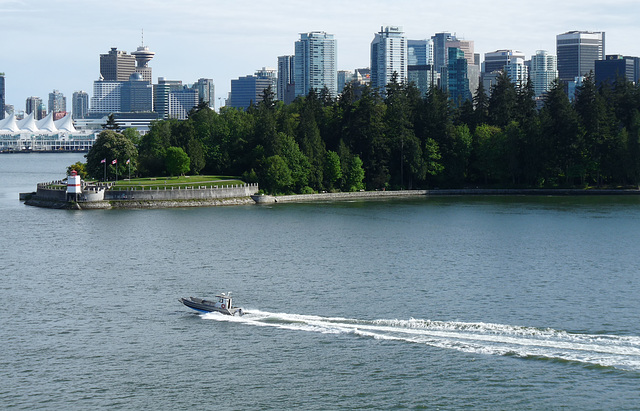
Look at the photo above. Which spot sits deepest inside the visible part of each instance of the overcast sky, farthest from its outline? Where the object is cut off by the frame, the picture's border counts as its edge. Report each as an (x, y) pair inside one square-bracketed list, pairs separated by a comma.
[(55, 44)]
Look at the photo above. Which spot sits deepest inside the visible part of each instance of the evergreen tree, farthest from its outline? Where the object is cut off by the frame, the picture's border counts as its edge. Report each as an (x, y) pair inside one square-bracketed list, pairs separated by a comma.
[(502, 103)]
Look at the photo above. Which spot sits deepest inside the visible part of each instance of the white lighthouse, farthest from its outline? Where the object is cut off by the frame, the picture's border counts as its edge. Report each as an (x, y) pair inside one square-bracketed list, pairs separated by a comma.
[(74, 188)]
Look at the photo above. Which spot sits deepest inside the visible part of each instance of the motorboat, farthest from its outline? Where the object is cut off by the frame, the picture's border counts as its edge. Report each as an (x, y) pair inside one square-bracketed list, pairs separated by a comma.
[(223, 304)]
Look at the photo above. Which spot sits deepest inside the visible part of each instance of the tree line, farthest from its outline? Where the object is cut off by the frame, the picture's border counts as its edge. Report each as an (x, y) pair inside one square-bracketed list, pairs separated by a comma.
[(401, 139)]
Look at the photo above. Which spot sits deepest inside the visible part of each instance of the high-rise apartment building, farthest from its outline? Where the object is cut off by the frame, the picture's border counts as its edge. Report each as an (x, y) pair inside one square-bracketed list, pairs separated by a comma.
[(315, 63), (117, 65), (285, 89), (496, 60), (57, 104), (577, 53), (517, 71), (388, 56), (2, 96), (206, 91), (544, 69), (34, 105), (79, 104)]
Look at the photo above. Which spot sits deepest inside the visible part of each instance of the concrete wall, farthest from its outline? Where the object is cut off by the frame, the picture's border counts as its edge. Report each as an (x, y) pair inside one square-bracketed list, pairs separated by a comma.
[(191, 193), (45, 193)]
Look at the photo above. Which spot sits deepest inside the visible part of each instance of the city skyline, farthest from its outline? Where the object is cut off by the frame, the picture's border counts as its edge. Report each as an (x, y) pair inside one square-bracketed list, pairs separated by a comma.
[(226, 41)]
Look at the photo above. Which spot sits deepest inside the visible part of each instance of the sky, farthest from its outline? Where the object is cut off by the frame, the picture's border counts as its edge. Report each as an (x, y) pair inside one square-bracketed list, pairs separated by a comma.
[(56, 44)]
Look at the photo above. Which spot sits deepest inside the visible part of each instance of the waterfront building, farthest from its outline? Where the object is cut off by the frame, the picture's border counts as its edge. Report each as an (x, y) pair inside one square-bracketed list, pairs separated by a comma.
[(285, 88), (457, 81), (206, 91), (117, 65), (57, 104), (613, 68), (577, 53), (79, 104), (34, 105), (45, 134), (3, 100), (315, 63), (142, 57), (388, 56), (543, 71)]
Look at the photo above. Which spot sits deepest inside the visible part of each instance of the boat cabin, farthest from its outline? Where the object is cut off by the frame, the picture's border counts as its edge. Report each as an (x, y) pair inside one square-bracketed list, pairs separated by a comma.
[(224, 301)]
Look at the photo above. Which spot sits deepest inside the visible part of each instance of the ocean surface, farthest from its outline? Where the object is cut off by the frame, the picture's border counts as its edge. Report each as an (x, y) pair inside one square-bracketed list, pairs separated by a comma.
[(430, 303)]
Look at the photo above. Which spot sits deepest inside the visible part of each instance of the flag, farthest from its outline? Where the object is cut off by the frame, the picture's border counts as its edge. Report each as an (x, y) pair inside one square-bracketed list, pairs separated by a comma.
[(114, 161), (104, 160), (128, 161)]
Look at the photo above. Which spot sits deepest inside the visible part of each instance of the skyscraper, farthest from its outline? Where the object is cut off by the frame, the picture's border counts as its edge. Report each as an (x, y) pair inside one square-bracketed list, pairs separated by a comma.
[(206, 91), (79, 104), (161, 95), (2, 96), (517, 71), (136, 95), (440, 50), (577, 53), (143, 55), (544, 69), (117, 65), (420, 68), (106, 97), (388, 56), (315, 63), (248, 89), (57, 104), (457, 82), (285, 90), (496, 60), (614, 68), (33, 105)]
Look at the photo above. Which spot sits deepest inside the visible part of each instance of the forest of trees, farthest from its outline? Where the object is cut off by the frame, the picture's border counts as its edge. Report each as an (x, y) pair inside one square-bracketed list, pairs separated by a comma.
[(363, 140)]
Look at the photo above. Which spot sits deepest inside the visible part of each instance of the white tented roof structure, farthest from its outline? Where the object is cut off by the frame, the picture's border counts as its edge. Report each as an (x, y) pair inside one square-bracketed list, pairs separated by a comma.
[(43, 135), (46, 126)]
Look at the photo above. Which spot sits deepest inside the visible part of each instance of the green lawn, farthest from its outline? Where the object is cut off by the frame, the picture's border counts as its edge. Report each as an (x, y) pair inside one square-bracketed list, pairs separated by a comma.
[(177, 182)]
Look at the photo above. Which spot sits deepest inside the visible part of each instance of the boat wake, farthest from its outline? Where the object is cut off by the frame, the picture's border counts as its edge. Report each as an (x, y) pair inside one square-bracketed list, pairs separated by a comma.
[(621, 352)]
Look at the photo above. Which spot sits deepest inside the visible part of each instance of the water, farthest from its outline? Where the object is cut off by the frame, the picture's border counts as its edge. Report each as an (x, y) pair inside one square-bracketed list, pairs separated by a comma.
[(482, 303)]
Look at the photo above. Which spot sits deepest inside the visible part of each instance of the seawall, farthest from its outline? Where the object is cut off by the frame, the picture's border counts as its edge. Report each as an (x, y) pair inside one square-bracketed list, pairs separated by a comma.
[(365, 195), (195, 196)]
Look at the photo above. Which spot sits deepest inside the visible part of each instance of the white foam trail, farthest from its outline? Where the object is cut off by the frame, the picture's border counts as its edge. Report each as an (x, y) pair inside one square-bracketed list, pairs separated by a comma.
[(621, 352)]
